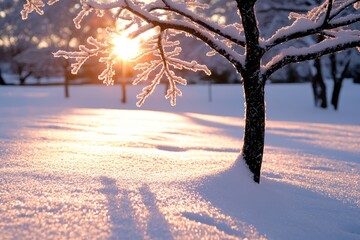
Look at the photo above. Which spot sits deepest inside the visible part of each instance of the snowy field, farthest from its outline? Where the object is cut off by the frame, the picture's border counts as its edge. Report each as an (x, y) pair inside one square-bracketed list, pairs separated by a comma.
[(90, 167)]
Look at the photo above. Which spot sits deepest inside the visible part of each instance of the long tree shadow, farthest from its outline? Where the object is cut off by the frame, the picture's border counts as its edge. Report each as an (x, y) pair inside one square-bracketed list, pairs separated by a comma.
[(123, 224), (233, 129), (157, 227), (307, 146), (207, 220), (124, 221), (279, 210), (276, 136)]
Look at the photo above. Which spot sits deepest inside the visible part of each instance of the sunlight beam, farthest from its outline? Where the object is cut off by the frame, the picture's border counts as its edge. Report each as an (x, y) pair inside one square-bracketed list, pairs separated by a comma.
[(125, 48)]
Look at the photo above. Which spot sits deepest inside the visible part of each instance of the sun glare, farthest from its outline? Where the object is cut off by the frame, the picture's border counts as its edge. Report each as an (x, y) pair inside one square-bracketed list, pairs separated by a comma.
[(125, 48)]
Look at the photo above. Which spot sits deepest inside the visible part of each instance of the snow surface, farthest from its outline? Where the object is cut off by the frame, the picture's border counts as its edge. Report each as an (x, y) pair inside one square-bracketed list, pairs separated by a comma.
[(90, 167)]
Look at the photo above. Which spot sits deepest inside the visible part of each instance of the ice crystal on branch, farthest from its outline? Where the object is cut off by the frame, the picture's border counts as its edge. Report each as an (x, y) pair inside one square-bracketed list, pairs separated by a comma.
[(34, 5), (84, 12), (30, 6), (165, 52), (313, 14), (51, 2), (107, 75), (195, 4), (84, 54)]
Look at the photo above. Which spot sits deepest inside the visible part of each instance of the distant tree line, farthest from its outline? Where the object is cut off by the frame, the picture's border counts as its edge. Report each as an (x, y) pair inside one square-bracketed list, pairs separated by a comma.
[(27, 48)]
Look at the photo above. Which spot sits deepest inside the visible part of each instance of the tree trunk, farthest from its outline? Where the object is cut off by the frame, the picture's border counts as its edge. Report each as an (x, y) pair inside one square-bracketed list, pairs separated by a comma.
[(22, 78), (336, 93), (123, 90), (319, 87), (2, 80), (254, 132), (66, 84), (338, 79)]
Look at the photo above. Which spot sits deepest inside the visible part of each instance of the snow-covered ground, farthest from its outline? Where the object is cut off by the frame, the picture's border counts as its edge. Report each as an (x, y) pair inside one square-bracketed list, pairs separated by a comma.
[(90, 167)]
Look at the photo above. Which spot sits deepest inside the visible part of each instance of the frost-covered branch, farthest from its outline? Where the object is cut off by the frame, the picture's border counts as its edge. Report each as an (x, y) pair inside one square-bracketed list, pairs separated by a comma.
[(226, 33), (339, 41), (342, 6), (281, 7), (83, 54), (316, 21), (107, 74), (34, 5), (165, 60), (328, 11), (190, 28), (30, 6)]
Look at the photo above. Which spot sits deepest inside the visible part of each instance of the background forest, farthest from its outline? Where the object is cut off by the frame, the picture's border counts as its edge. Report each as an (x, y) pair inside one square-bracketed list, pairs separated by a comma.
[(26, 46)]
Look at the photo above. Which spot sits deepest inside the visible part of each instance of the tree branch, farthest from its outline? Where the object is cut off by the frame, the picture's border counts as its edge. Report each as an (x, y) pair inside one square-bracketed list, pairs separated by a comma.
[(305, 27), (342, 8), (308, 53), (253, 50), (206, 36), (209, 26), (328, 11)]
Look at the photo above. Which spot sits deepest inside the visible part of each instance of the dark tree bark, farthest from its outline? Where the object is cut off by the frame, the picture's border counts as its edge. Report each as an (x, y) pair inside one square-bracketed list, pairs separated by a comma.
[(2, 80), (123, 90), (254, 132), (336, 94), (23, 75), (319, 87), (67, 82), (22, 78), (338, 79)]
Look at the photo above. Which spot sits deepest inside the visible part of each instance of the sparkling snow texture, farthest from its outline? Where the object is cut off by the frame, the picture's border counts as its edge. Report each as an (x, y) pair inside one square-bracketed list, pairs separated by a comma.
[(89, 167)]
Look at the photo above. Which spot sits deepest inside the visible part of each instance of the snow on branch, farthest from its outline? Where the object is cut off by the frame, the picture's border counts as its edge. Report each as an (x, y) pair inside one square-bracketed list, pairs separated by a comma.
[(230, 33), (346, 20), (51, 2), (341, 6), (84, 54), (104, 5), (30, 6), (189, 28), (315, 21), (166, 61), (107, 75), (336, 41), (34, 5), (86, 9)]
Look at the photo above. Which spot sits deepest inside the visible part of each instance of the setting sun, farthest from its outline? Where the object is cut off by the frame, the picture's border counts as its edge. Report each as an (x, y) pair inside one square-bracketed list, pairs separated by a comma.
[(125, 48)]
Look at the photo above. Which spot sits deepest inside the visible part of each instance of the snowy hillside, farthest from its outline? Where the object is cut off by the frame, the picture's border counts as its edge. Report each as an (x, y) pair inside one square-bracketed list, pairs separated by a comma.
[(90, 167)]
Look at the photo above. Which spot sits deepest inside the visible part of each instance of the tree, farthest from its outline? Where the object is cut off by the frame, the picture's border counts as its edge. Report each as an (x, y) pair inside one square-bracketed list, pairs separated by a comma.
[(241, 44), (45, 64), (335, 66), (318, 83), (40, 35), (16, 36), (339, 69), (2, 81)]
